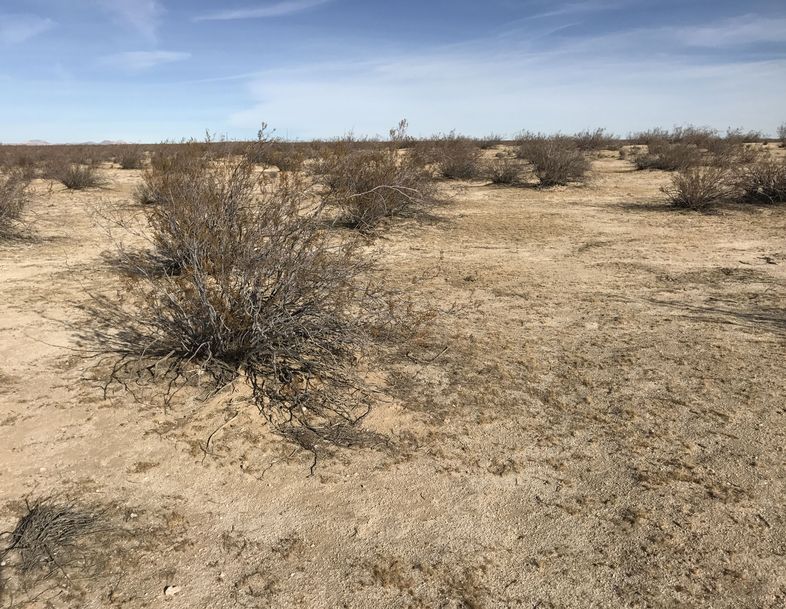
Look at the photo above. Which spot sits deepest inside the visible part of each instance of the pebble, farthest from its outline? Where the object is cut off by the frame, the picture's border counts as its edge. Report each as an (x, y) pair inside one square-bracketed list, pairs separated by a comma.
[(171, 590)]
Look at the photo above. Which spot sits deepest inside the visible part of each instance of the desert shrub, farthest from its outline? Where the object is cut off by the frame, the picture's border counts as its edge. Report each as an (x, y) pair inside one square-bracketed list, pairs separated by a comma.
[(782, 134), (762, 182), (13, 197), (555, 159), (595, 140), (489, 141), (170, 171), (75, 176), (456, 156), (699, 187), (399, 135), (366, 186), (668, 157), (503, 170), (131, 158), (262, 292)]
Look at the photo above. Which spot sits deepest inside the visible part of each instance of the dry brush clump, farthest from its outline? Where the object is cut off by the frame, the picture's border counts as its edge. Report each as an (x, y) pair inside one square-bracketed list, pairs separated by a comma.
[(596, 140), (131, 157), (14, 195), (763, 181), (555, 158), (504, 170), (369, 185), (699, 188), (456, 157), (667, 156), (261, 292)]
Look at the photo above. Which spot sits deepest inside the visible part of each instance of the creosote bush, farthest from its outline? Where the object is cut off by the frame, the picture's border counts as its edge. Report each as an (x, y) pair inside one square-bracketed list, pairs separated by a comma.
[(366, 186), (668, 157), (595, 140), (503, 170), (13, 197), (75, 176), (761, 182), (256, 289), (699, 188), (555, 159), (131, 158), (457, 157)]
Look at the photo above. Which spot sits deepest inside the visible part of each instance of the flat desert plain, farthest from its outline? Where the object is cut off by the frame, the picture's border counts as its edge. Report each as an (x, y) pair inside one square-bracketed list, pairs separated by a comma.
[(596, 418)]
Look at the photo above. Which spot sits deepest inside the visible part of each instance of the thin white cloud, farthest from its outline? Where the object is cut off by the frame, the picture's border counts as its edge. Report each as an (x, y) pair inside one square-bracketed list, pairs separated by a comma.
[(144, 16), (15, 29), (278, 9), (573, 85), (136, 61), (575, 8), (738, 31)]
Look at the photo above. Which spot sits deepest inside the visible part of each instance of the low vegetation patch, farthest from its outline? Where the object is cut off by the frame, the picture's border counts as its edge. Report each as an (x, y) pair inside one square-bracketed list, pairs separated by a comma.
[(555, 159), (13, 198), (457, 157), (762, 182), (699, 188), (131, 158), (75, 176), (504, 171), (367, 186)]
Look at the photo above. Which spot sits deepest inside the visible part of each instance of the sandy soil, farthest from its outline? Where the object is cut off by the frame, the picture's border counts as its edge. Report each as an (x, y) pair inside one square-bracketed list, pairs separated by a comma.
[(596, 420)]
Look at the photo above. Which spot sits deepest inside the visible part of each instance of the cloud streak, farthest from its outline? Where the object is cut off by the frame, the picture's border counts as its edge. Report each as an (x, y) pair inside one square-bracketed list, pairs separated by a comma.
[(16, 29), (279, 9), (144, 16), (137, 61)]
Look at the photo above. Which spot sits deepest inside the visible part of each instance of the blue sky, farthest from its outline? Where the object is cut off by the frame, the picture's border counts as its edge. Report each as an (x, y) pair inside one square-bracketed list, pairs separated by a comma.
[(149, 70)]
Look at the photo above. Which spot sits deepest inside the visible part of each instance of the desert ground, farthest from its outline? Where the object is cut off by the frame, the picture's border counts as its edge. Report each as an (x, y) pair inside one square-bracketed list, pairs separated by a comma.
[(594, 419)]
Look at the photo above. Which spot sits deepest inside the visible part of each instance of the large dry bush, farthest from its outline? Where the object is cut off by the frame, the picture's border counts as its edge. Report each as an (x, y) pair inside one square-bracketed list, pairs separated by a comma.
[(555, 159), (366, 186), (763, 181), (260, 291), (782, 134), (699, 188), (13, 197)]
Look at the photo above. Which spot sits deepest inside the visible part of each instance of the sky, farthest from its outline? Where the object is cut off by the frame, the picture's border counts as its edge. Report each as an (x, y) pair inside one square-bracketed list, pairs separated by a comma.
[(155, 70)]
